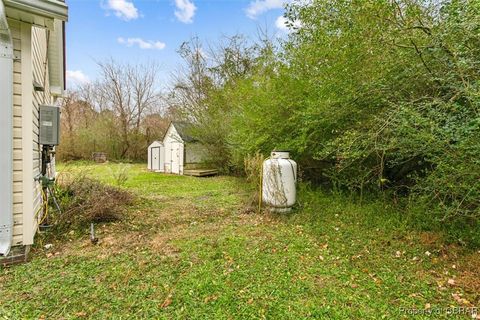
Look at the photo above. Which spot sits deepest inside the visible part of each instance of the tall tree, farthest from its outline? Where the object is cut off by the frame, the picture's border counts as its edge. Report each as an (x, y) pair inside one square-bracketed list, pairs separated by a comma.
[(129, 91)]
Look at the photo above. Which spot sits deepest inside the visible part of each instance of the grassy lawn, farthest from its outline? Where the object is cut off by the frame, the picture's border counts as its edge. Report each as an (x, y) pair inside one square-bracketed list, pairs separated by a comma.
[(187, 249)]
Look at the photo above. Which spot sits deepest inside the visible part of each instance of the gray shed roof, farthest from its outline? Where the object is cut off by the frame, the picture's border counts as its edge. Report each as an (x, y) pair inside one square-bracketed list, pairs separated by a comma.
[(183, 129)]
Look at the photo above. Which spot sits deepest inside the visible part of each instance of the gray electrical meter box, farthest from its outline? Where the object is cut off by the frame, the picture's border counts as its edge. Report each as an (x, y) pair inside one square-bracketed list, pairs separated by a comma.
[(49, 125)]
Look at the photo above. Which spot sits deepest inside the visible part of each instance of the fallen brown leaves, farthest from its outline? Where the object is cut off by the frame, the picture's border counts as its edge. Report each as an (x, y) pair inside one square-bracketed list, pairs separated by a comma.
[(168, 301)]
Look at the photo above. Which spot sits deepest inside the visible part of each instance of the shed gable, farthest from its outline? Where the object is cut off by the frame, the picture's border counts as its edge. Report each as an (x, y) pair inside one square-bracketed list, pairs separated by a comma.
[(172, 135)]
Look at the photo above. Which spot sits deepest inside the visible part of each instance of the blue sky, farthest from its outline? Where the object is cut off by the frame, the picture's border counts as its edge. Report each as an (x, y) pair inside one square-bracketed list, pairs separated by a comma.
[(152, 30)]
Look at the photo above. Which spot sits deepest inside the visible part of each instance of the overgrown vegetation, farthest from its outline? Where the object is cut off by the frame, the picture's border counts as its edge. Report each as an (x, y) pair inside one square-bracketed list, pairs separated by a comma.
[(187, 251), (84, 200), (370, 96), (253, 174)]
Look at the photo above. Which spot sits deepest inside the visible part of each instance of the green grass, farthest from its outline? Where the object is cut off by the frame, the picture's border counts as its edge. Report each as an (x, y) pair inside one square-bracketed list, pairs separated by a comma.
[(187, 250)]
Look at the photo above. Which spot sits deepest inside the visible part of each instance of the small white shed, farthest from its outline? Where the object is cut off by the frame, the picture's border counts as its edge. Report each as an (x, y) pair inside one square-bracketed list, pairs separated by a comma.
[(156, 157), (176, 152)]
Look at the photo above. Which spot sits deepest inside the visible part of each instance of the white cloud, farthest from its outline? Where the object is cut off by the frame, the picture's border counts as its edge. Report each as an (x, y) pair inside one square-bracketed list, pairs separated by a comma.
[(258, 7), (123, 9), (76, 77), (281, 24), (142, 44), (185, 10)]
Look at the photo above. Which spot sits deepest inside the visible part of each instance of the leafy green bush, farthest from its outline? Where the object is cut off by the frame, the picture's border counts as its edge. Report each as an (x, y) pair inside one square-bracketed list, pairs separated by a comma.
[(370, 96)]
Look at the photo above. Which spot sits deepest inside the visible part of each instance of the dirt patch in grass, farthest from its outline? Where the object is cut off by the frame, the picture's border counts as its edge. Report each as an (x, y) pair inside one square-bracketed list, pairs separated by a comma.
[(431, 239), (155, 229), (162, 244)]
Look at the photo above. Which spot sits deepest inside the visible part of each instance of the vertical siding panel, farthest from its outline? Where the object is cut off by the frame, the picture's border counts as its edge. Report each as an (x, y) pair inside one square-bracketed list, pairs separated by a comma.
[(40, 74), (17, 136), (27, 88)]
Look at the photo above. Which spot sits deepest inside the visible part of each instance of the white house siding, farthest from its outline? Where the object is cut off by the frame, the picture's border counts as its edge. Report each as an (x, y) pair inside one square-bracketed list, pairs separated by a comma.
[(30, 44), (41, 76), (30, 50), (15, 28), (27, 134)]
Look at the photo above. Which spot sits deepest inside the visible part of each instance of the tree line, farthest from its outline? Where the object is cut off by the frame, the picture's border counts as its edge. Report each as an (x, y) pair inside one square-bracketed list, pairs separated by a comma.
[(118, 114)]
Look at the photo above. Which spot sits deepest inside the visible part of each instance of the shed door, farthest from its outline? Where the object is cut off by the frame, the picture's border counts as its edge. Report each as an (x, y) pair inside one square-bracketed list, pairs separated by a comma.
[(156, 158), (175, 158), (161, 161)]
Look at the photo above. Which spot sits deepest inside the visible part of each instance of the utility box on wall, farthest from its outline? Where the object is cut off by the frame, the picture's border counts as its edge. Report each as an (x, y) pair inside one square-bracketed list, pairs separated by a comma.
[(49, 125)]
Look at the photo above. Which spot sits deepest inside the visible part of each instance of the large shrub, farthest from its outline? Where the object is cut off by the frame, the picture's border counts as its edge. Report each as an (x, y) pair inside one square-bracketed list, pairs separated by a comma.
[(374, 95)]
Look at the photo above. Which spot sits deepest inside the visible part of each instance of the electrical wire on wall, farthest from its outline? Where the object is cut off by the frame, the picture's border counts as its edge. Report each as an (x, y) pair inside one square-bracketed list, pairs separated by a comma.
[(46, 149), (45, 66)]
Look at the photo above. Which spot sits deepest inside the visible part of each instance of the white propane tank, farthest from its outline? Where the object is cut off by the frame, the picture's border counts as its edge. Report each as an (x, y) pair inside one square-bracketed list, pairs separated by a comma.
[(279, 181)]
